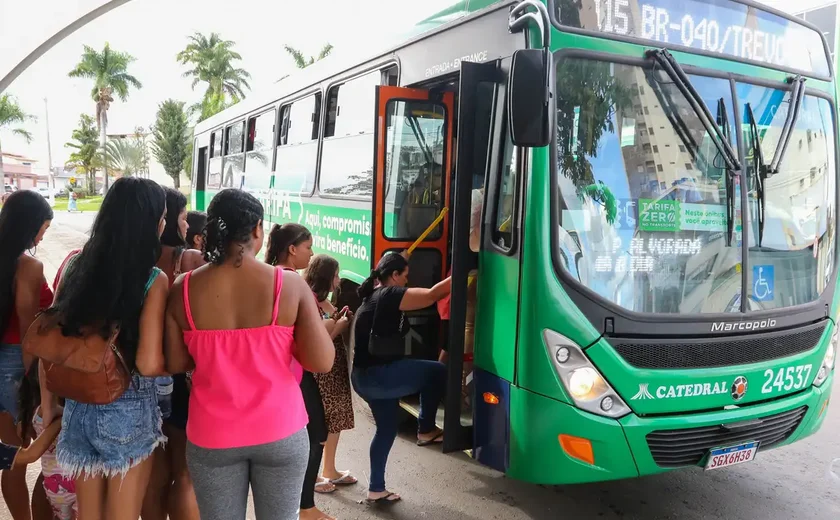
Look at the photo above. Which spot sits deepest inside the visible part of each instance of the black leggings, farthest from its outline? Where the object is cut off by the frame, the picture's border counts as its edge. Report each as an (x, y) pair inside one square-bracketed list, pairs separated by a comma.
[(317, 429)]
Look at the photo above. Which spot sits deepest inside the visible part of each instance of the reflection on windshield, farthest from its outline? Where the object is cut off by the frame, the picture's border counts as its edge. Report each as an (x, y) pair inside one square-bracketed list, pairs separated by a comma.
[(792, 259), (643, 193), (644, 215)]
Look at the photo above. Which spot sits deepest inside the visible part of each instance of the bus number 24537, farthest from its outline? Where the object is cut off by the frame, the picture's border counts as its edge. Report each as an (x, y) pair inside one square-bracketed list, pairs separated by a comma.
[(786, 379)]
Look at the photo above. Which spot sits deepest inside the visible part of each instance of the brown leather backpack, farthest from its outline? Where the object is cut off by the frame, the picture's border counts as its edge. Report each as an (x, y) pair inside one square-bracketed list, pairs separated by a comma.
[(88, 368)]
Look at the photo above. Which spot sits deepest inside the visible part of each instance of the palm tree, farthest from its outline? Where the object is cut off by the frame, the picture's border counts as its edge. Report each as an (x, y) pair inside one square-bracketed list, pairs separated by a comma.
[(11, 115), (301, 61), (212, 61), (109, 71), (124, 155), (85, 158)]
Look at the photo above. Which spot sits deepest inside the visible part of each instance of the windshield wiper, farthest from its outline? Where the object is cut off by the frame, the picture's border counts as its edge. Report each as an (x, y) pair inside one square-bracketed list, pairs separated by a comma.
[(759, 169), (733, 166), (723, 123), (797, 95)]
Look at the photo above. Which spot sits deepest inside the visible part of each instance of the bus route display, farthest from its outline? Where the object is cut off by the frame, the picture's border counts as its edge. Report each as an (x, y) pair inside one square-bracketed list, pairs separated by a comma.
[(722, 27)]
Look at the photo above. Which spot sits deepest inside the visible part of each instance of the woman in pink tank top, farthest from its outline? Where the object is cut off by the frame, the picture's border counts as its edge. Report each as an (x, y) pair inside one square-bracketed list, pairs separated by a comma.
[(238, 323)]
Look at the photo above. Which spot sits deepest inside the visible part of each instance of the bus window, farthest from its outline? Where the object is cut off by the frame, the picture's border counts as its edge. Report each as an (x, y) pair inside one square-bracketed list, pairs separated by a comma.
[(503, 223), (415, 148), (347, 156), (214, 173), (258, 148), (233, 164), (297, 145)]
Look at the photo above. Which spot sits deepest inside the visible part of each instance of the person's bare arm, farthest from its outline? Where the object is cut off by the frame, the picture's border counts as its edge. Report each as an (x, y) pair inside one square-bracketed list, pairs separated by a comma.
[(417, 298), (150, 361), (28, 283), (39, 446), (315, 348), (178, 358), (49, 402)]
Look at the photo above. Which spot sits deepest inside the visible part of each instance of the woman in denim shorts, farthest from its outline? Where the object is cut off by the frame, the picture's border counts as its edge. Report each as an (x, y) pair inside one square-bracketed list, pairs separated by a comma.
[(24, 219), (108, 448)]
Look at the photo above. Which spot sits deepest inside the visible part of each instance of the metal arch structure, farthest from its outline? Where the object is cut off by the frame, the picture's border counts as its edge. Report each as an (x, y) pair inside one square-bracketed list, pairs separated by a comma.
[(56, 38)]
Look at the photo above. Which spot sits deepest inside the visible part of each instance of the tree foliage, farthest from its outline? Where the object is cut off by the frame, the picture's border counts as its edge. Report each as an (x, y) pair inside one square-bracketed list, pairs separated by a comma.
[(212, 61), (141, 141), (11, 114), (107, 69), (171, 138), (301, 61), (589, 98), (85, 144), (124, 156)]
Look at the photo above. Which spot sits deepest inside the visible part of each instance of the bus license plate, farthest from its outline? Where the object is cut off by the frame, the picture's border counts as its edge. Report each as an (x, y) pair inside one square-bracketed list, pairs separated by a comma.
[(723, 457)]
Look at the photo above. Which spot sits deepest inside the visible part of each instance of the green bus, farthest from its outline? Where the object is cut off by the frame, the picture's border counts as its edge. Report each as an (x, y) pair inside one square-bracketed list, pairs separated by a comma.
[(657, 183)]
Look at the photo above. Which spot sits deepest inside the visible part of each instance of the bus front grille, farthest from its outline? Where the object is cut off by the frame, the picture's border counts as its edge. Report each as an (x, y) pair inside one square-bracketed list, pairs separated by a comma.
[(717, 352), (688, 447)]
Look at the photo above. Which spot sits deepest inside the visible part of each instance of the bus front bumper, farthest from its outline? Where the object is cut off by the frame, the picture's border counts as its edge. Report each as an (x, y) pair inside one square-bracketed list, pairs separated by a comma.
[(620, 447)]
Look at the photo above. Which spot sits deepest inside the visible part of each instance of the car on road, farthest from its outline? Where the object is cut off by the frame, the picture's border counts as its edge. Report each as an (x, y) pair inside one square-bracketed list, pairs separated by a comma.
[(45, 192)]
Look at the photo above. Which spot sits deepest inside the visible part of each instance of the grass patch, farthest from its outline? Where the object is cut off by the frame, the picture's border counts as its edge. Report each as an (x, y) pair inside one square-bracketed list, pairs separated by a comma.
[(86, 204)]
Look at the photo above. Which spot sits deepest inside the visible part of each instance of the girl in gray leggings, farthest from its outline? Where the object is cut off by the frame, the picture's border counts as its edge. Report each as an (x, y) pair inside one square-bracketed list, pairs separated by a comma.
[(275, 471), (238, 322)]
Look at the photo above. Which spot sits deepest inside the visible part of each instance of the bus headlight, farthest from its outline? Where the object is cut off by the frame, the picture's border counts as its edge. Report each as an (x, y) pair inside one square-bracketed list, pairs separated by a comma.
[(828, 361), (582, 381)]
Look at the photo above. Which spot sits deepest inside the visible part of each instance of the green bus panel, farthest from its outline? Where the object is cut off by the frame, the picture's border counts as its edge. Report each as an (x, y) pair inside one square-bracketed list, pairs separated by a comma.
[(498, 296), (620, 447)]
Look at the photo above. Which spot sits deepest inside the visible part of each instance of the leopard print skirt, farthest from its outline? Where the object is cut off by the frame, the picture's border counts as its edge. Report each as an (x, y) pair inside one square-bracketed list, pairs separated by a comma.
[(336, 393)]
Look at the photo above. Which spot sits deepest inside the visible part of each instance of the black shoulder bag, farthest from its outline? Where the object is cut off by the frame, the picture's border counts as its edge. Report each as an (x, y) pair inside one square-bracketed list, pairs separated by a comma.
[(390, 346)]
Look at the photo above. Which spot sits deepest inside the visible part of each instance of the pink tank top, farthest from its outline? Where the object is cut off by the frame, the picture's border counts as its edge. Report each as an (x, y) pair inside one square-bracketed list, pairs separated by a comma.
[(243, 390)]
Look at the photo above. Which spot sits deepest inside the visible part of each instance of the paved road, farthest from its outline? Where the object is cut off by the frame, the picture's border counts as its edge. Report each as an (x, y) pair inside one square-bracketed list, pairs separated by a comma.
[(783, 484), (79, 222)]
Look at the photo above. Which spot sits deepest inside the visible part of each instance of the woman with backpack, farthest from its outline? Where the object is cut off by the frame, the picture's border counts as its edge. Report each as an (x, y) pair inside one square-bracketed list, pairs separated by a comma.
[(170, 488), (238, 323), (24, 219), (381, 372), (112, 288)]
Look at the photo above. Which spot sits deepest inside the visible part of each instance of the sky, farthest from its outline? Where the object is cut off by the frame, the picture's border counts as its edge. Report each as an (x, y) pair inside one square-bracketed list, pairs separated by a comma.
[(154, 31)]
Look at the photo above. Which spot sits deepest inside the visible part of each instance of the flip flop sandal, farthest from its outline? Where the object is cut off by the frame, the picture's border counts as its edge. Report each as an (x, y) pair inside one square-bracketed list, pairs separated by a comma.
[(324, 487), (346, 479), (437, 439), (384, 499)]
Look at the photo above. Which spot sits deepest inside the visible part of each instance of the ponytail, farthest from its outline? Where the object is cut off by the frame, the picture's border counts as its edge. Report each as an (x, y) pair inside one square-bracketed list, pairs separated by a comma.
[(389, 264), (366, 289)]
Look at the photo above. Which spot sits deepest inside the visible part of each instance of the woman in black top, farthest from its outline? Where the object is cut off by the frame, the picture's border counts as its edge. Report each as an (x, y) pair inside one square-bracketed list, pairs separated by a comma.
[(383, 381)]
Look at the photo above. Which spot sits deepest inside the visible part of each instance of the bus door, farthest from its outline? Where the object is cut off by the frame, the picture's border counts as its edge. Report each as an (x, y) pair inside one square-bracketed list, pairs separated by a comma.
[(477, 93), (410, 189)]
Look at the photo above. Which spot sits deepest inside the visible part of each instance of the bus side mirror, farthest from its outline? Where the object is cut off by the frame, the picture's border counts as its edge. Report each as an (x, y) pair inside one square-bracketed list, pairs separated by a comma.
[(528, 95)]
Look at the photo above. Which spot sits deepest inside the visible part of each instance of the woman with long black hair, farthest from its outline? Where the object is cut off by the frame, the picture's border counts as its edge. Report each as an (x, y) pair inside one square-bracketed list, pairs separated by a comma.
[(24, 291), (170, 489), (113, 280)]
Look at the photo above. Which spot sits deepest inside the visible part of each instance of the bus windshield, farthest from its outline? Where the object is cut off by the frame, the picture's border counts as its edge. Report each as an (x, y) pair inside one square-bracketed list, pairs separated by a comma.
[(644, 212), (792, 257)]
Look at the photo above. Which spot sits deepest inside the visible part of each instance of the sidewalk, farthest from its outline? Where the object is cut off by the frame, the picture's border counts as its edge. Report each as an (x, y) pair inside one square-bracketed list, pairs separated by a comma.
[(59, 240)]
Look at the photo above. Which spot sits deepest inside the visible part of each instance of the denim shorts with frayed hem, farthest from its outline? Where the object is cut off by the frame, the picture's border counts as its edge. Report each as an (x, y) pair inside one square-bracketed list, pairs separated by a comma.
[(11, 375), (110, 439)]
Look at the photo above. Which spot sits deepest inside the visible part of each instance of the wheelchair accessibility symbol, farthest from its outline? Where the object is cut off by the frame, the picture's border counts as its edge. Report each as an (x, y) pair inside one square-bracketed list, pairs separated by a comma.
[(763, 283)]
